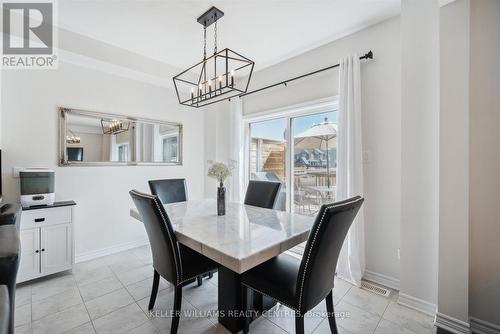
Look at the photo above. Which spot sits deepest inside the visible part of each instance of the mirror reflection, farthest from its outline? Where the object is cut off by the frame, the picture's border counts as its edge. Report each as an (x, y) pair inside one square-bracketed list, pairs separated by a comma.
[(156, 143), (92, 138)]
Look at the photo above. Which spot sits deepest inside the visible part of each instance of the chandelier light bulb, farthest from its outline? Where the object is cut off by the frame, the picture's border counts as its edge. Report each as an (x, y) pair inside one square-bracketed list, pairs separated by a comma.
[(220, 82)]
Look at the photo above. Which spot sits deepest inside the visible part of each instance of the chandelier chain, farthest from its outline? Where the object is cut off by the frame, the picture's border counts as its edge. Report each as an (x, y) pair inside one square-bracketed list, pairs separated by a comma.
[(215, 37), (204, 43)]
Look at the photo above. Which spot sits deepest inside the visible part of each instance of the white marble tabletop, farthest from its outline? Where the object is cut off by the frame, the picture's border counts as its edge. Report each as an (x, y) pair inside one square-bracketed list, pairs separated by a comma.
[(245, 237)]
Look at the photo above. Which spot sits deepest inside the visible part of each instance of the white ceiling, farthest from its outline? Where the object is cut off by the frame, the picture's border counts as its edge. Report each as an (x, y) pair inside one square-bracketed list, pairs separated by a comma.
[(267, 31)]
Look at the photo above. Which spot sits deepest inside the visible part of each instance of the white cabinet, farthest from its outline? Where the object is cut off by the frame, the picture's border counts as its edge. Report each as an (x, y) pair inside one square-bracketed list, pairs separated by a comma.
[(29, 267), (47, 241), (56, 250)]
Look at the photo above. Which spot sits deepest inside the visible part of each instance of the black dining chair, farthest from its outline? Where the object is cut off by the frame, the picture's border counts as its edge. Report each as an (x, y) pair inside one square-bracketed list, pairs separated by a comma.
[(302, 284), (262, 193), (173, 261), (169, 190), (172, 191), (5, 310)]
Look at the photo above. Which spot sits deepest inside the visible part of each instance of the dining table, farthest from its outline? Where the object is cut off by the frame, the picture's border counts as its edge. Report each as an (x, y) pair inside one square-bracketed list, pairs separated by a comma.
[(243, 238)]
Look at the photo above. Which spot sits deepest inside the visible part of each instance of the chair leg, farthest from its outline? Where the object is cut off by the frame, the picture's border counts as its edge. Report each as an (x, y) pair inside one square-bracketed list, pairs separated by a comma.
[(200, 280), (331, 314), (177, 310), (244, 305), (299, 323), (154, 290), (210, 275)]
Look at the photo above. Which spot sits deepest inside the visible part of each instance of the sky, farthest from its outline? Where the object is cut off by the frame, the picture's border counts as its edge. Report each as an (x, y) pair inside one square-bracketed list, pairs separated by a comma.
[(275, 129)]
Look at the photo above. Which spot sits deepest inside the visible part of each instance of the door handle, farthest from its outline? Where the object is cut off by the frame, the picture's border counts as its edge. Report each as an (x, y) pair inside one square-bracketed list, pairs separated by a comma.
[(39, 220)]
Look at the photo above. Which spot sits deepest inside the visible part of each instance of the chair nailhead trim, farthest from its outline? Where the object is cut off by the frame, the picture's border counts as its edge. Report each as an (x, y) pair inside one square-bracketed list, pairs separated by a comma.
[(168, 232), (171, 243), (312, 244)]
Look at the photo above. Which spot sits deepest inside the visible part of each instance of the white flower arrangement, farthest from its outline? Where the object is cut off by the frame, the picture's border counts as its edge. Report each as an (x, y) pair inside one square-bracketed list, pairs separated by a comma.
[(221, 171)]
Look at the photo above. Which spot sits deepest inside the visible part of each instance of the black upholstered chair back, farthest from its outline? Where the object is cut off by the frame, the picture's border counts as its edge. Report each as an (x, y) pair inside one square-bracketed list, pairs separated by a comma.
[(169, 190), (164, 246), (262, 193), (317, 269)]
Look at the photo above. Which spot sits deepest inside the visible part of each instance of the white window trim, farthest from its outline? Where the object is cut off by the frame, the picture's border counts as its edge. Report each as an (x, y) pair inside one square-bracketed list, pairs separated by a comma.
[(158, 142), (296, 110), (118, 150), (169, 135), (300, 109)]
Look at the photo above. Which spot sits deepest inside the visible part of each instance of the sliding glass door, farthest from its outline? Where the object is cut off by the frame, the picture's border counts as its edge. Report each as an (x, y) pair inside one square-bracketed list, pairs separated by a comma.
[(299, 151), (267, 155), (314, 161)]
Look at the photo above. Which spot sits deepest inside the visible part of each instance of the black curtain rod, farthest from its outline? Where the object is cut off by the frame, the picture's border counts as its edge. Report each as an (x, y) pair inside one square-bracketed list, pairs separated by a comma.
[(368, 55)]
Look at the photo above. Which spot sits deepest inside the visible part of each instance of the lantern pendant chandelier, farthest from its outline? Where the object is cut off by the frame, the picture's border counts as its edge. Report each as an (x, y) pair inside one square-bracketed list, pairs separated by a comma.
[(223, 75)]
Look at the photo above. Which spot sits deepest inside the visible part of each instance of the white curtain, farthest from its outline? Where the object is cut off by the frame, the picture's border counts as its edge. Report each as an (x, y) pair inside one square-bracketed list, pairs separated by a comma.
[(236, 150), (351, 263)]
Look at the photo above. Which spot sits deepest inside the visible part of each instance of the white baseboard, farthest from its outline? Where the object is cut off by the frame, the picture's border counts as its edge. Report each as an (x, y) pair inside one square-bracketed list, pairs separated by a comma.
[(483, 327), (110, 250), (417, 304), (388, 281), (451, 324)]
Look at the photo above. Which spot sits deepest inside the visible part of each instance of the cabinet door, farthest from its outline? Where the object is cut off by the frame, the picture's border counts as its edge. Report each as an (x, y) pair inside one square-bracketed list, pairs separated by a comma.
[(56, 248), (29, 266)]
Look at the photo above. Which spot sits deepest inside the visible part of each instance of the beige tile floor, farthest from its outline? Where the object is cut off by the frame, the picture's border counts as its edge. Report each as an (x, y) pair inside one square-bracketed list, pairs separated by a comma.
[(110, 295)]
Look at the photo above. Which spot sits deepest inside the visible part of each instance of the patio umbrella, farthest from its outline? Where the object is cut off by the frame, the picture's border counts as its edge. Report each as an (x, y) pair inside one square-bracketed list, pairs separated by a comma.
[(323, 136)]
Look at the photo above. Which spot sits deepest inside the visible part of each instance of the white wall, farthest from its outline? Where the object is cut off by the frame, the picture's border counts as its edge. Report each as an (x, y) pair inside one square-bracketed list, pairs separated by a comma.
[(381, 121), (454, 163), (30, 139), (420, 153), (217, 123), (485, 161)]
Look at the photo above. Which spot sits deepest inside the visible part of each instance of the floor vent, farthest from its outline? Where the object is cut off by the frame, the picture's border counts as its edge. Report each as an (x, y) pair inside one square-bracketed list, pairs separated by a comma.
[(379, 290)]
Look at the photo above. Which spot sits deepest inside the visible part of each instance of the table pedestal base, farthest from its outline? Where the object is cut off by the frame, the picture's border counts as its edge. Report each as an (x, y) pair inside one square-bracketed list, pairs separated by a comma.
[(229, 295)]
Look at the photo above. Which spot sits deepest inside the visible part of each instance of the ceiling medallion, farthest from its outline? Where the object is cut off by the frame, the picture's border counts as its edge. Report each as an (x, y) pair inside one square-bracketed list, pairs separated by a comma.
[(223, 75)]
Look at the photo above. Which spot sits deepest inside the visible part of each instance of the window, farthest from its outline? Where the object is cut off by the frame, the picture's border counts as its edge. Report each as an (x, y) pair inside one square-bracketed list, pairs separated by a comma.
[(314, 161), (122, 152), (267, 153), (169, 149), (298, 149)]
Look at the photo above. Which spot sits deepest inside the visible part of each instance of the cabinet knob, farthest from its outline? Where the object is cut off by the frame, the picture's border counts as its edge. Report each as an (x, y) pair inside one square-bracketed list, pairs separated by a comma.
[(37, 251), (43, 249)]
